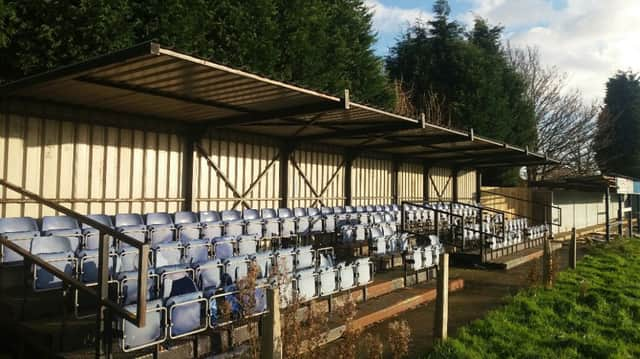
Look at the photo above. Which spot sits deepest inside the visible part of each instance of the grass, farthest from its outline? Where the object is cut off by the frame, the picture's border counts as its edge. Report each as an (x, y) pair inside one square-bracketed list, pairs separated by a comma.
[(592, 312)]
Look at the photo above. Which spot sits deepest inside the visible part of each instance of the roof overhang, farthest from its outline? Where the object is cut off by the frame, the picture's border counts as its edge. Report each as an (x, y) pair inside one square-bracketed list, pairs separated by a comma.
[(165, 85), (597, 183)]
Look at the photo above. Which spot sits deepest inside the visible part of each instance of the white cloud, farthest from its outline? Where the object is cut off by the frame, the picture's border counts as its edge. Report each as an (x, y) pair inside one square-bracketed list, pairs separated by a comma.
[(392, 20), (587, 39)]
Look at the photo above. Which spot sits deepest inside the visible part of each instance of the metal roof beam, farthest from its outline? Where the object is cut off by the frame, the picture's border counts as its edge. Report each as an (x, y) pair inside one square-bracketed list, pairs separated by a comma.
[(160, 93), (358, 132), (256, 117), (428, 140)]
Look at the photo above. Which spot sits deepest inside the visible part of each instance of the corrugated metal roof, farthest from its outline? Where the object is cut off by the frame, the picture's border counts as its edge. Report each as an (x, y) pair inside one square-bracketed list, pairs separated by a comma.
[(152, 81)]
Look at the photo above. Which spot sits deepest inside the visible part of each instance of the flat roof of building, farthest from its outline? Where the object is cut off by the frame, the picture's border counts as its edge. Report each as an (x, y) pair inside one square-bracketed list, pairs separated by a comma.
[(187, 91)]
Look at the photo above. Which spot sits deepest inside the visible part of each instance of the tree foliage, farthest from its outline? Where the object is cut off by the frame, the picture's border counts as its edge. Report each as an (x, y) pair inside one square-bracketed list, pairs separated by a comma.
[(617, 140), (565, 123), (469, 74), (325, 45)]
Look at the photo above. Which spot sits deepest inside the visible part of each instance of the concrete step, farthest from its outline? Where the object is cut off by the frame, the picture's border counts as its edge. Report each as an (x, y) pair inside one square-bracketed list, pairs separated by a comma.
[(520, 258)]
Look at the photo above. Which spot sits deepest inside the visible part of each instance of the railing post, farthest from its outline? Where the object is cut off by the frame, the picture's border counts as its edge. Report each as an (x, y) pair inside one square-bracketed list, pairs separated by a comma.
[(271, 340), (547, 263), (572, 249), (629, 224), (637, 213), (607, 215), (103, 324), (483, 239), (442, 299), (402, 218), (620, 215)]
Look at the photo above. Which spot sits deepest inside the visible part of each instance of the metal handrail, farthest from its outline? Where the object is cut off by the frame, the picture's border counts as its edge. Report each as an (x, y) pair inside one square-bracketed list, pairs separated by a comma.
[(101, 293), (553, 223)]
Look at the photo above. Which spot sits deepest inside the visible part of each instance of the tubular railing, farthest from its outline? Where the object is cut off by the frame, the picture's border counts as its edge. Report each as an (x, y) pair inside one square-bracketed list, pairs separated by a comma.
[(101, 293)]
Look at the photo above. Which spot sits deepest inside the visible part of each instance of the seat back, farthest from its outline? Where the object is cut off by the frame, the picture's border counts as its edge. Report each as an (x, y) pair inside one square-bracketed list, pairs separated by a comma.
[(154, 331), (128, 219), (268, 213), (185, 217), (237, 268), (250, 214), (326, 210), (300, 212), (223, 247), (18, 224), (100, 218), (313, 211), (52, 223), (158, 218), (305, 257), (285, 213), (209, 216), (19, 230), (231, 215), (264, 261), (306, 284), (51, 245), (247, 245)]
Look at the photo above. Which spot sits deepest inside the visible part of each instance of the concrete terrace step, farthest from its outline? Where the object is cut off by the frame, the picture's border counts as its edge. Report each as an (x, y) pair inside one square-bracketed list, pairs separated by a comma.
[(388, 306), (520, 258)]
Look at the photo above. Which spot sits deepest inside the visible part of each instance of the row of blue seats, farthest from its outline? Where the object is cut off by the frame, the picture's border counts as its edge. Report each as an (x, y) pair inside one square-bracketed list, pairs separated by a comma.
[(187, 226), (184, 308)]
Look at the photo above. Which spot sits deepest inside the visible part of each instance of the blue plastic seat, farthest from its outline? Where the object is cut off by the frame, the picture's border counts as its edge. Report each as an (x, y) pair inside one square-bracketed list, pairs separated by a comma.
[(363, 271), (342, 218), (187, 226), (288, 222), (305, 257), (171, 273), (264, 262), (154, 332), (285, 260), (160, 227), (209, 276), (306, 284), (223, 247), (346, 276), (362, 215), (56, 251), (166, 254), (327, 281), (351, 214), (132, 225), (19, 230), (247, 245), (88, 265), (237, 268), (303, 222), (233, 223), (63, 226), (378, 241), (254, 224), (128, 286), (211, 223), (271, 223), (197, 251), (316, 224), (92, 235), (329, 219), (187, 308)]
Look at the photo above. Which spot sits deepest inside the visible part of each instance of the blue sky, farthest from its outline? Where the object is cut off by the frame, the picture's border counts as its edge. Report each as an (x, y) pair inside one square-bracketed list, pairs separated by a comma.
[(588, 40)]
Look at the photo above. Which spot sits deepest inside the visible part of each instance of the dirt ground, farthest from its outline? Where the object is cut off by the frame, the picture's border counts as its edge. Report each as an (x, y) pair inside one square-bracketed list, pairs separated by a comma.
[(483, 291)]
